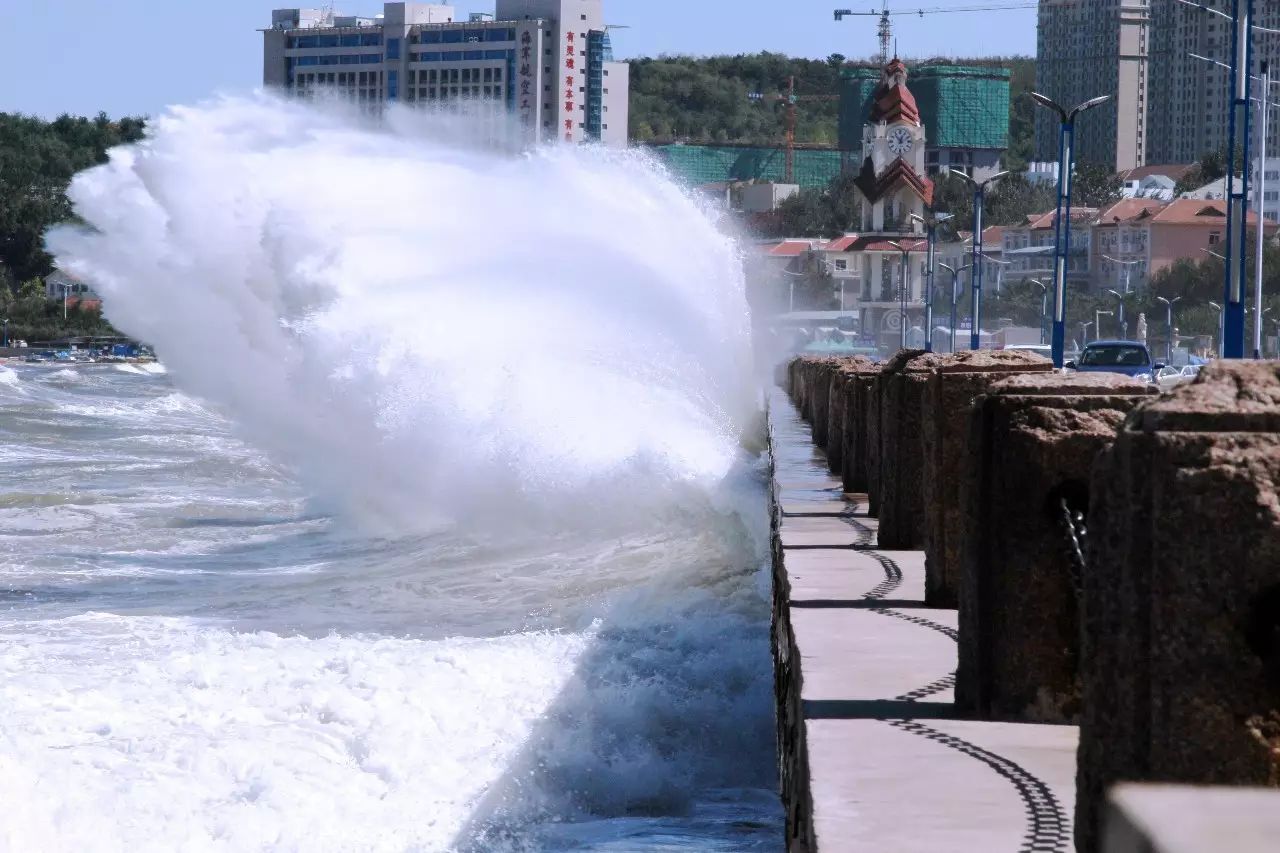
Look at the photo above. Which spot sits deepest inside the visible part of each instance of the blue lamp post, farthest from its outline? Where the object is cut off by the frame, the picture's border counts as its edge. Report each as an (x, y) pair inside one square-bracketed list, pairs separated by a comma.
[(930, 222), (979, 198), (955, 295), (1062, 221)]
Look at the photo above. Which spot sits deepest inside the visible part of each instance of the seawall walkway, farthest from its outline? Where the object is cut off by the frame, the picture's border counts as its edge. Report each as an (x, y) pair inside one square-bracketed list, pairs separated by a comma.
[(874, 756)]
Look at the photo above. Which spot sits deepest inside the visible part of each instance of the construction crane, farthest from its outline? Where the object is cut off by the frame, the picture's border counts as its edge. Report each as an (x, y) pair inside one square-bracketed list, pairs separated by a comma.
[(792, 99), (885, 28)]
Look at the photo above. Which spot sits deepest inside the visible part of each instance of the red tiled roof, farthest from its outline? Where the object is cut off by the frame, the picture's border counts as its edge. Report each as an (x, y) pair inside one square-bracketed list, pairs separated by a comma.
[(897, 174), (993, 235), (791, 248), (1129, 209), (880, 244), (1038, 221), (892, 100), (1194, 211), (841, 244), (1173, 171)]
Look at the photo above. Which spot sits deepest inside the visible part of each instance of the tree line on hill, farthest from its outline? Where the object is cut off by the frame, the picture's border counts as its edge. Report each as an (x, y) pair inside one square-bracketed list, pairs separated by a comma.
[(37, 161), (710, 99)]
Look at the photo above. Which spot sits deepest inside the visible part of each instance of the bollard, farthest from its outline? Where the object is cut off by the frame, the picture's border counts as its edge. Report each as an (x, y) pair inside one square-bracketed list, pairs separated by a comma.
[(822, 372), (956, 381), (859, 385), (902, 386), (1180, 663), (1033, 440)]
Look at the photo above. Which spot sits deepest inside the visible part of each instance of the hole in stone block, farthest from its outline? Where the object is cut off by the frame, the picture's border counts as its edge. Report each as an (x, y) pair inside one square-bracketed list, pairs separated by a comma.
[(1263, 632), (1076, 494)]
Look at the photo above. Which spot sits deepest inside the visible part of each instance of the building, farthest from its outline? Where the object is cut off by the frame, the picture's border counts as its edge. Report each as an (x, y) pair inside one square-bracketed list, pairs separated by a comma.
[(62, 286), (700, 165), (964, 111), (1029, 245), (1086, 48), (1271, 192), (1188, 99), (549, 62)]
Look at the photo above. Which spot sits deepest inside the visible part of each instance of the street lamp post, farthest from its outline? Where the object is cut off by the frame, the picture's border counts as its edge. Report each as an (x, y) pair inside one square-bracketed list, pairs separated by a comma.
[(1097, 322), (1044, 305), (1121, 325), (979, 197), (1127, 265), (1084, 333), (6, 332), (904, 286), (930, 224), (1238, 194), (955, 295), (1062, 239), (1168, 315), (1222, 327)]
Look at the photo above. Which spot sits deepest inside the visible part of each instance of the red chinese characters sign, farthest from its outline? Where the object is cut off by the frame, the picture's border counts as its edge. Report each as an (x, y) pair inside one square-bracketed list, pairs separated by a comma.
[(570, 101)]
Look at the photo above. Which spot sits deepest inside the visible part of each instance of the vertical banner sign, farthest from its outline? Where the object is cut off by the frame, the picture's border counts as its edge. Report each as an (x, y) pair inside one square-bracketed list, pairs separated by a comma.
[(570, 75), (527, 101)]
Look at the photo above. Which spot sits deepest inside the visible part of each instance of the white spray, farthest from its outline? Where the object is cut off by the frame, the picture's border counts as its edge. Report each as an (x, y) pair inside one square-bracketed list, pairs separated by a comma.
[(422, 328)]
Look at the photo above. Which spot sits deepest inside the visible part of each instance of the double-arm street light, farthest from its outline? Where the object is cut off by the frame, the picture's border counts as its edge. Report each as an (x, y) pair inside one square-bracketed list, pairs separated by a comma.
[(1062, 239), (1264, 110), (904, 285), (1121, 325), (1084, 334), (930, 222), (1044, 305), (955, 295), (979, 196), (1168, 314)]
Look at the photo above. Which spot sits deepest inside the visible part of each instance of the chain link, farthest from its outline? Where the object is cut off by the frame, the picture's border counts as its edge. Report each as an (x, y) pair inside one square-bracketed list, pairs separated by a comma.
[(1077, 538)]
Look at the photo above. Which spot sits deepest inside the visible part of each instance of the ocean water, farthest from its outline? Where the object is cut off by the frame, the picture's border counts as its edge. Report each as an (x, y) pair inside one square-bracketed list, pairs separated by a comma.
[(432, 534)]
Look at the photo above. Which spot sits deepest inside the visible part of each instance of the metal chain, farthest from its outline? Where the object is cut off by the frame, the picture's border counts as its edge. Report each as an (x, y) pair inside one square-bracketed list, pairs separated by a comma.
[(1077, 538)]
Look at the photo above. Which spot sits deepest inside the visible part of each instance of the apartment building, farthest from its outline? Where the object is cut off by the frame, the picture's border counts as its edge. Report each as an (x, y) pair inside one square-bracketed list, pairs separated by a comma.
[(548, 62), (1086, 48), (1189, 98)]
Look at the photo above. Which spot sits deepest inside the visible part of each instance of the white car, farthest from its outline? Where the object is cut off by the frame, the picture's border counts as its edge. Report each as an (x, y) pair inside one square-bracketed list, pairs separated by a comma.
[(1171, 377)]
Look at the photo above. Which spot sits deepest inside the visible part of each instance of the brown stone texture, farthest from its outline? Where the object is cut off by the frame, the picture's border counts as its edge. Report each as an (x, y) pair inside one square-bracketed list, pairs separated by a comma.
[(860, 381), (839, 399), (903, 387), (957, 380), (1180, 650), (1033, 440)]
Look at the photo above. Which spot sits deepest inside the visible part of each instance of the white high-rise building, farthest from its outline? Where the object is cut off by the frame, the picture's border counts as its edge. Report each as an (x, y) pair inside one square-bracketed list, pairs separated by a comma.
[(547, 61)]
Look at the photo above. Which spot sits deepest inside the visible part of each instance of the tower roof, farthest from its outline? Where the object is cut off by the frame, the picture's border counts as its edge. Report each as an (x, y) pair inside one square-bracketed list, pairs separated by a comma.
[(892, 101)]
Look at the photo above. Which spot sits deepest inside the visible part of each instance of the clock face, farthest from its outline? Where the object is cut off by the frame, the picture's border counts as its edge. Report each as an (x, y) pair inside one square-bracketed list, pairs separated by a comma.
[(900, 141)]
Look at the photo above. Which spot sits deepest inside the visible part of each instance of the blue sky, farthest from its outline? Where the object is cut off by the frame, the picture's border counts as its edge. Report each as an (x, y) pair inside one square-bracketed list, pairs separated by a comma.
[(136, 56)]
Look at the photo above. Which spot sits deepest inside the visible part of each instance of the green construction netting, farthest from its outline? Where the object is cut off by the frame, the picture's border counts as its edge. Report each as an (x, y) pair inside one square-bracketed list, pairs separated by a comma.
[(707, 164), (963, 107)]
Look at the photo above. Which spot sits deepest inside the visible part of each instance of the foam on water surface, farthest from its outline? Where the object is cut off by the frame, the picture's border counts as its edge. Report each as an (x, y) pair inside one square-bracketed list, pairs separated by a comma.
[(437, 536)]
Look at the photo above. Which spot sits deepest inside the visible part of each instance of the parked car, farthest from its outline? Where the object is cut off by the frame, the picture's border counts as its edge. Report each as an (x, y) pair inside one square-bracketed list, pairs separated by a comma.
[(1040, 349), (1131, 358)]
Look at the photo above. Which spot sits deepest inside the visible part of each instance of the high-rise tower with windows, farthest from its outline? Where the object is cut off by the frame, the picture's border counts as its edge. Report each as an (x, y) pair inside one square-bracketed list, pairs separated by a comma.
[(547, 61)]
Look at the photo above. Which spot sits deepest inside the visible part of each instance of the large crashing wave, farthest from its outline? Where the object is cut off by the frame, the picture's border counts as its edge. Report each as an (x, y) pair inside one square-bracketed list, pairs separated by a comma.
[(423, 327)]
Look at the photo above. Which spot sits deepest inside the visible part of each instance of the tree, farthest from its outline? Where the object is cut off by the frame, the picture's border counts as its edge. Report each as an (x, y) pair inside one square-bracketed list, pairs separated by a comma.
[(1095, 186)]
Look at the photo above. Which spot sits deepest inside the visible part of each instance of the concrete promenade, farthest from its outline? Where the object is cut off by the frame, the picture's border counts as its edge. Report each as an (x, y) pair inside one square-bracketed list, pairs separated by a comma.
[(874, 756)]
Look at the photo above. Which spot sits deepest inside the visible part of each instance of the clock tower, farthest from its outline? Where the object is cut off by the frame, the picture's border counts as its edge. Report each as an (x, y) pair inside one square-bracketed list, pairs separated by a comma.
[(892, 177)]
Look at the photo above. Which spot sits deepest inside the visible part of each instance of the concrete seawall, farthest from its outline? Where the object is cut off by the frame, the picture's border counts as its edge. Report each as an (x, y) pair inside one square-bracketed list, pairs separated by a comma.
[(873, 754)]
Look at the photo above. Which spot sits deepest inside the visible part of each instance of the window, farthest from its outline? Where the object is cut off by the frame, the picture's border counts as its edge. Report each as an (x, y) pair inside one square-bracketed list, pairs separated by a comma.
[(452, 36), (429, 56), (488, 75), (393, 49), (1215, 237), (497, 75), (466, 75), (431, 76), (393, 82), (349, 40), (842, 264), (431, 37)]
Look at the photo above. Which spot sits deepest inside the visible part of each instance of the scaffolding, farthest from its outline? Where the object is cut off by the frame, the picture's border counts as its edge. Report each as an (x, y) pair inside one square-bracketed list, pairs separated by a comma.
[(699, 165)]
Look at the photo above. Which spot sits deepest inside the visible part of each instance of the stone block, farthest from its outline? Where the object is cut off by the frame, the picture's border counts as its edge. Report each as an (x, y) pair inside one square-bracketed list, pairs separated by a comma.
[(902, 389), (838, 409), (1186, 819), (1033, 441), (957, 380), (860, 380), (1180, 651)]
